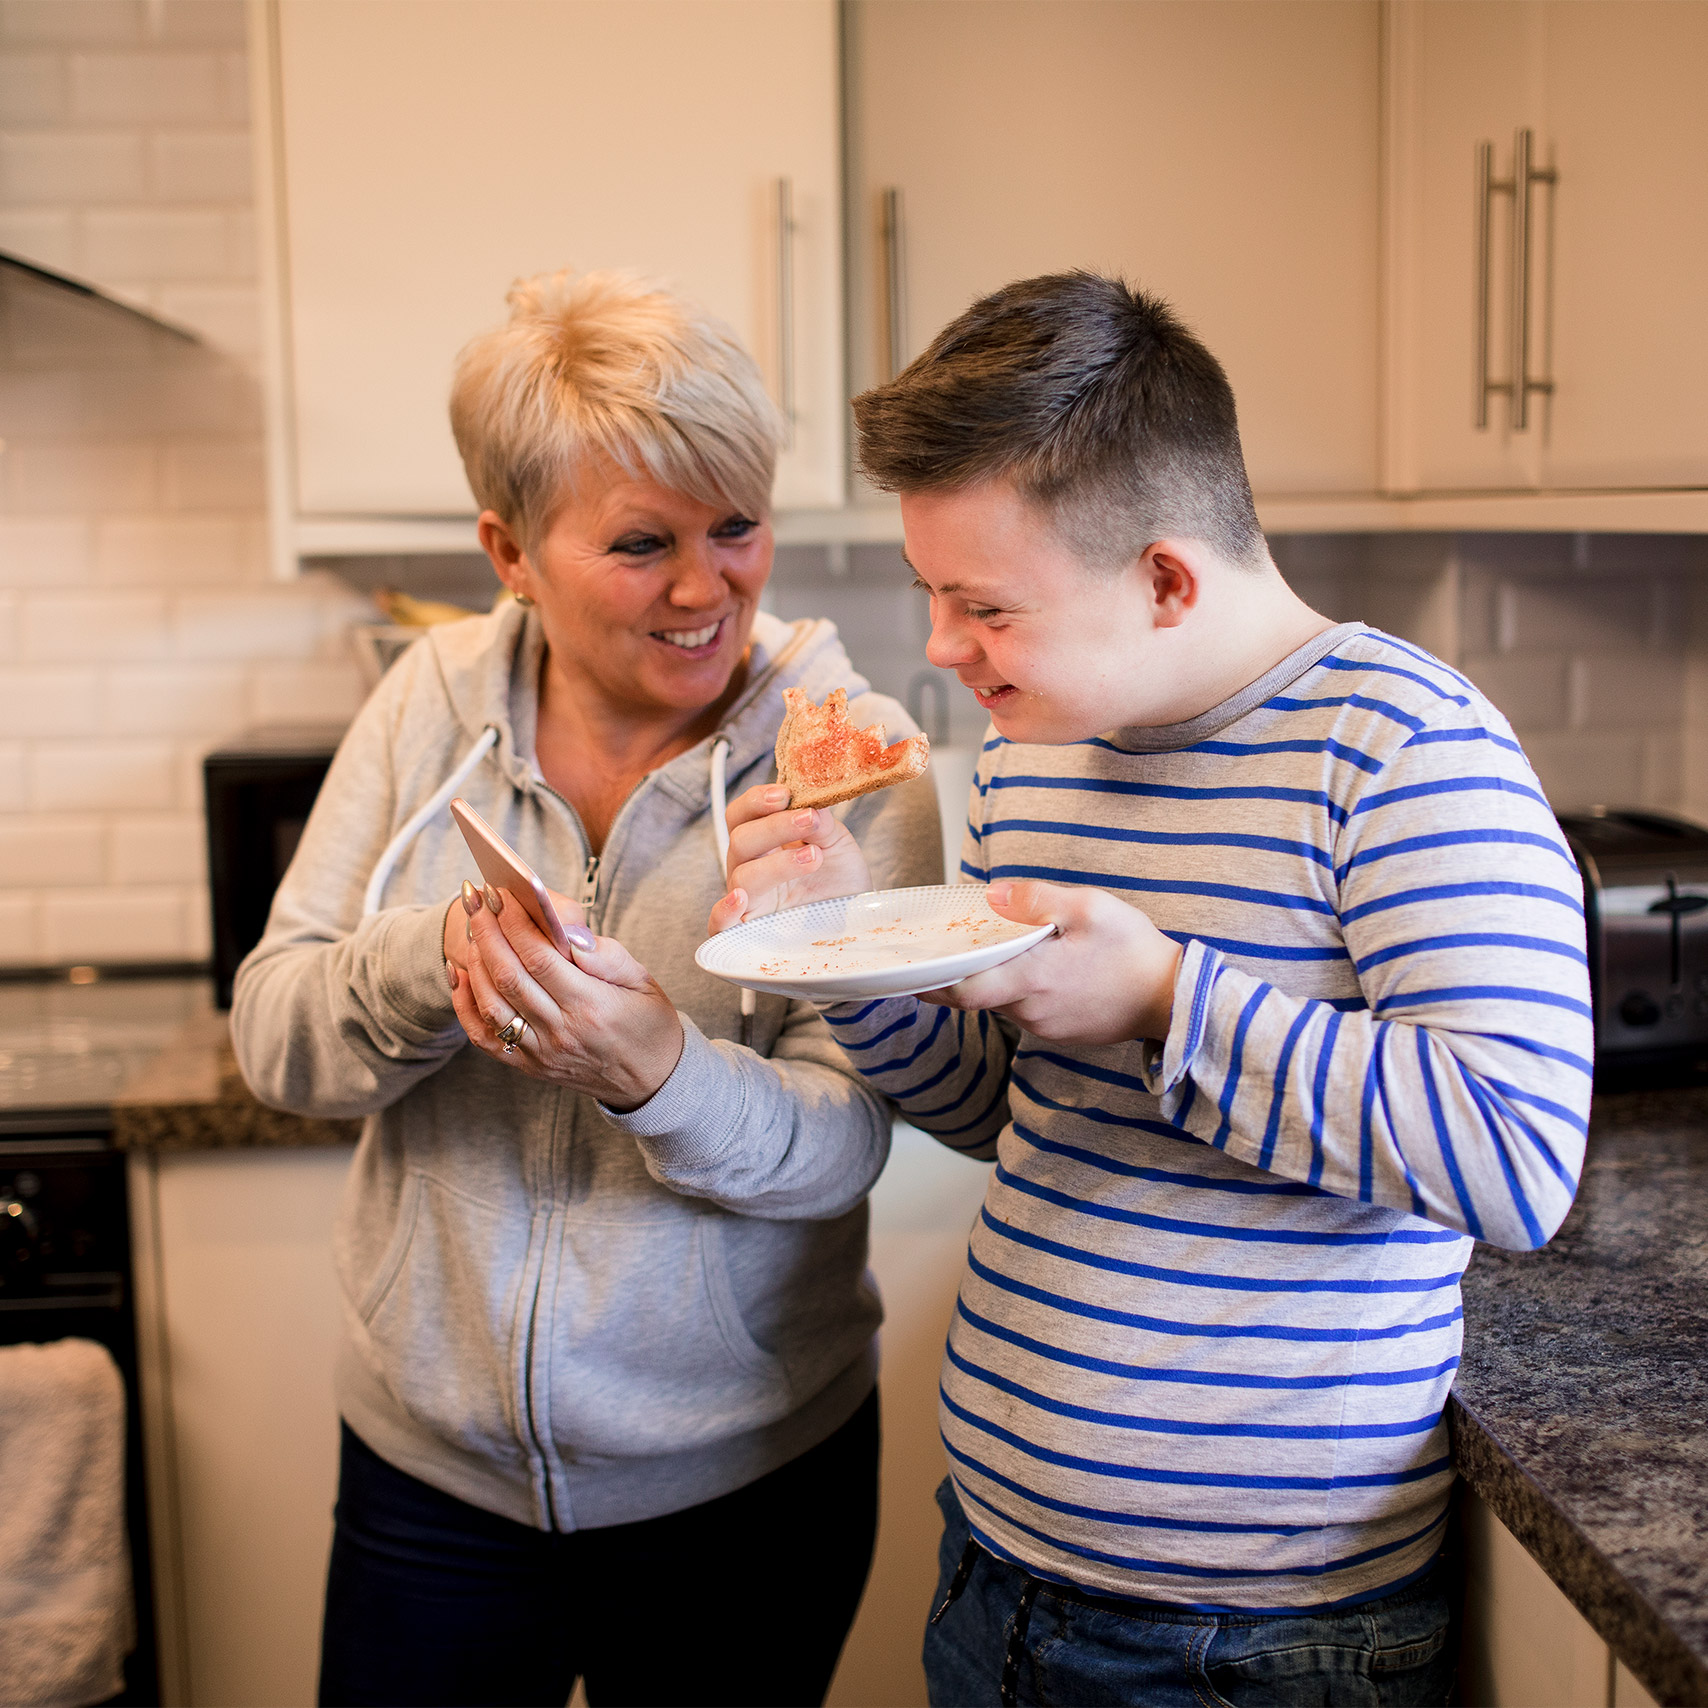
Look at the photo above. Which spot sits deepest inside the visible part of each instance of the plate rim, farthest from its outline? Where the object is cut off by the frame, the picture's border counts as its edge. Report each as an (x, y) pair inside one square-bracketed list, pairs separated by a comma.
[(796, 988)]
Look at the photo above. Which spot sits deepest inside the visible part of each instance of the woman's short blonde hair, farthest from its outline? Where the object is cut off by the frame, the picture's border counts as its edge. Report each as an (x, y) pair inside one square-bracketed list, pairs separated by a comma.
[(607, 365)]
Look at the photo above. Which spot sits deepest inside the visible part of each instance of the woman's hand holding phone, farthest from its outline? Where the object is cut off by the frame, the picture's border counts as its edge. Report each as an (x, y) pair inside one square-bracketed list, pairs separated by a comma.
[(782, 858), (598, 1023)]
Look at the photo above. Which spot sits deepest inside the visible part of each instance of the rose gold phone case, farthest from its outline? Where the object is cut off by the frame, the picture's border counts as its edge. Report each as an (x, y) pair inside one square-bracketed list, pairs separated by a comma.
[(505, 869)]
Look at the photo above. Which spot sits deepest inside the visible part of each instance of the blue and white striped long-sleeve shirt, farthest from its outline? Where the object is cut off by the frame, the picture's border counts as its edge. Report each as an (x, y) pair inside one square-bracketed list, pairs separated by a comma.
[(1211, 1310)]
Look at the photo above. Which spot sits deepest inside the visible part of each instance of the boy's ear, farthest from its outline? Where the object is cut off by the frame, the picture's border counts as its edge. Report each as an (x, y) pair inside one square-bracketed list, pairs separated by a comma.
[(1174, 572)]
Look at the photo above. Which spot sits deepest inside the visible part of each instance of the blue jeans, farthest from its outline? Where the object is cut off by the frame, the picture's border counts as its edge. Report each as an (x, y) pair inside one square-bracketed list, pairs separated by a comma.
[(1008, 1637), (743, 1600)]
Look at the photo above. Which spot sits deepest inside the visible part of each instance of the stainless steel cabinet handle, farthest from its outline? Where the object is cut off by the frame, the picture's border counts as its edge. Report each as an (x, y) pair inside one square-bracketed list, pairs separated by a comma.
[(786, 305), (1488, 187), (895, 279), (1525, 177)]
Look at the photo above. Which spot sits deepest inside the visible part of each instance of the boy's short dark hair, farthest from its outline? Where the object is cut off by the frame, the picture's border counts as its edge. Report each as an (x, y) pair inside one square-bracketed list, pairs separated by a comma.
[(1093, 399)]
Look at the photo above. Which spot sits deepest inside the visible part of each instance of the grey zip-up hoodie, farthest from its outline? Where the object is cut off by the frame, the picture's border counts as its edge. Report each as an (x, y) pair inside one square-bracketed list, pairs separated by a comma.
[(563, 1315)]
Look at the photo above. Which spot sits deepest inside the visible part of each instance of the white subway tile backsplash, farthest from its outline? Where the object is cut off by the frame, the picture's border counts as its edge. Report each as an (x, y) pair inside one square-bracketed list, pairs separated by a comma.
[(199, 166), (214, 23), (172, 551), (75, 168), (234, 87), (74, 475), (101, 775), (20, 929), (248, 625), (46, 236), (149, 88), (57, 701), (174, 699), (243, 247), (77, 628), (1531, 689), (306, 693), (1592, 613), (32, 87), (214, 474), (45, 551), (71, 22), (12, 777), (51, 851), (1621, 690), (156, 244), (146, 923), (1585, 768), (161, 848), (1663, 767), (8, 626), (227, 316)]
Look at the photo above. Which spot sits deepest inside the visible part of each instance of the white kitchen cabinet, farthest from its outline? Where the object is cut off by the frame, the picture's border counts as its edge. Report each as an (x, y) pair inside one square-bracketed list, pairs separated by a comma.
[(1226, 157), (239, 1322), (424, 155), (1524, 1643), (923, 1209), (1605, 286)]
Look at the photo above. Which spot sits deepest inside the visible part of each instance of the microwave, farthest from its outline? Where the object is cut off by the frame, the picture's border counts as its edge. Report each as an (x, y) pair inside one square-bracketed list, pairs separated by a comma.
[(257, 791)]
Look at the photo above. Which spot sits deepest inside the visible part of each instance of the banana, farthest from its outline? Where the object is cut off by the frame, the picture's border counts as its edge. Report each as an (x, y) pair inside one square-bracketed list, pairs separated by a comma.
[(408, 612)]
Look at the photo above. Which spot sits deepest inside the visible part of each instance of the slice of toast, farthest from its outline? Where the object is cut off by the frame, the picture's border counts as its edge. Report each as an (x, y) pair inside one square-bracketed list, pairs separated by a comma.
[(822, 758)]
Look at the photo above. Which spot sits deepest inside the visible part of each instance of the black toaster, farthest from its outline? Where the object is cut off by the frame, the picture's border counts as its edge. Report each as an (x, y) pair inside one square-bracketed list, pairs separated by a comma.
[(1645, 880)]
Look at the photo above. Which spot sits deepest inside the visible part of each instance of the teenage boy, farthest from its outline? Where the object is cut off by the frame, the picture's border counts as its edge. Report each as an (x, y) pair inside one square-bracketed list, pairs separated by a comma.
[(1315, 1018)]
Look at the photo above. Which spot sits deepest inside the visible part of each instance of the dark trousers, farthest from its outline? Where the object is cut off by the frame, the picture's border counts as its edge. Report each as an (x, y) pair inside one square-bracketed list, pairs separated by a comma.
[(745, 1599)]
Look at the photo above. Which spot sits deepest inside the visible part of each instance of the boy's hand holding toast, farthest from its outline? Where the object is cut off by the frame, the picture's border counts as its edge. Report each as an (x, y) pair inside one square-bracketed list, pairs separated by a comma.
[(781, 858)]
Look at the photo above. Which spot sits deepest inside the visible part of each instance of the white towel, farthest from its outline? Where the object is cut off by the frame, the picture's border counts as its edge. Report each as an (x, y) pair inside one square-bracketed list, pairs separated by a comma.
[(66, 1615)]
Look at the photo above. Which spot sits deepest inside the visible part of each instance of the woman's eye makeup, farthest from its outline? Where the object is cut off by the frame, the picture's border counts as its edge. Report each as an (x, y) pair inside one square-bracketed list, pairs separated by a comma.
[(637, 545)]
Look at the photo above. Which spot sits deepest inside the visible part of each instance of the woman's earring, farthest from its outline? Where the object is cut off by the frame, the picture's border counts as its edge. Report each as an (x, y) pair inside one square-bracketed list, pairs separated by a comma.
[(523, 600)]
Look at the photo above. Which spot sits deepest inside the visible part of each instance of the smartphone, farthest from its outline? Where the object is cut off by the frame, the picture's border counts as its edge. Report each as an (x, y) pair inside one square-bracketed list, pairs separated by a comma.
[(505, 869)]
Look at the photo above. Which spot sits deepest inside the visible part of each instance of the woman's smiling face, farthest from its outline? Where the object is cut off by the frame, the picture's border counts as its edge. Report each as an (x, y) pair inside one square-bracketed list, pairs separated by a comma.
[(647, 596)]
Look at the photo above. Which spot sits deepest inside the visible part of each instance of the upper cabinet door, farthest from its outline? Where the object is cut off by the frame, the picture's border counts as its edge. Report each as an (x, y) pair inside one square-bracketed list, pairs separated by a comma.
[(1225, 156), (429, 154), (1548, 230), (1463, 80), (1628, 121)]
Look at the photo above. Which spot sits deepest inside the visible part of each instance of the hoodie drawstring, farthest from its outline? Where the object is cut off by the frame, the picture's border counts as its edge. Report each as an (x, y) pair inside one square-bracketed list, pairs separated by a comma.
[(418, 820), (720, 832)]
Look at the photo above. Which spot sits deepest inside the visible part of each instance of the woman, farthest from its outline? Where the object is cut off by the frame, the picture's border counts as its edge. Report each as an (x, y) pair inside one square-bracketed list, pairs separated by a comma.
[(607, 1376)]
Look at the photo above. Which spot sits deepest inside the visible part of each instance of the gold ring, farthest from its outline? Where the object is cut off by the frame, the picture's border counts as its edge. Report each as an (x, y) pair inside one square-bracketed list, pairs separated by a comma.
[(510, 1036)]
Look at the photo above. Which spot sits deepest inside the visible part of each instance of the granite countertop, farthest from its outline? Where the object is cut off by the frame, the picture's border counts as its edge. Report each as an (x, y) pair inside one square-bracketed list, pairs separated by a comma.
[(1580, 1412), (191, 1097)]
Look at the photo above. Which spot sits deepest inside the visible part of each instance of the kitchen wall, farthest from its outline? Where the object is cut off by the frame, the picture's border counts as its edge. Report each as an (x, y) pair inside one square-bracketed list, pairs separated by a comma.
[(138, 626)]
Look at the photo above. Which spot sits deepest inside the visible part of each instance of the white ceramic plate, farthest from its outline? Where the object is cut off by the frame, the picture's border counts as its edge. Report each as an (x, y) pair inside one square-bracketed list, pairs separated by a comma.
[(882, 943)]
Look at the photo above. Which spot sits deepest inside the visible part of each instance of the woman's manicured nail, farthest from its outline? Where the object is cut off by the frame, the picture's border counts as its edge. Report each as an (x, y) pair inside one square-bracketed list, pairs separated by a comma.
[(493, 899), (803, 820), (471, 899), (581, 938), (776, 797), (451, 975)]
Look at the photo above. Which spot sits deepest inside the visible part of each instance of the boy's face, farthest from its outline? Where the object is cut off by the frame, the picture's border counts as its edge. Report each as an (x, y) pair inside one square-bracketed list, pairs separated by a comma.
[(1053, 651)]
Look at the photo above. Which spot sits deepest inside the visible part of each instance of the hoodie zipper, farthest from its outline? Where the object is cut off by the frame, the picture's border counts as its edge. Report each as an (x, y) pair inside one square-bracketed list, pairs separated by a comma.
[(589, 896)]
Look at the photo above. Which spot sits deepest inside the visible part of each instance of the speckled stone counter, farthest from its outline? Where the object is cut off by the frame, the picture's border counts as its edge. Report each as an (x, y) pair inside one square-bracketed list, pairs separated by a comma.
[(1581, 1408), (192, 1098)]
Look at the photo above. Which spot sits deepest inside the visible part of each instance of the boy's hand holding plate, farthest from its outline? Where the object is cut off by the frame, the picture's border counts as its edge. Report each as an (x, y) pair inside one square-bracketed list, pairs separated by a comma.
[(1106, 977)]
